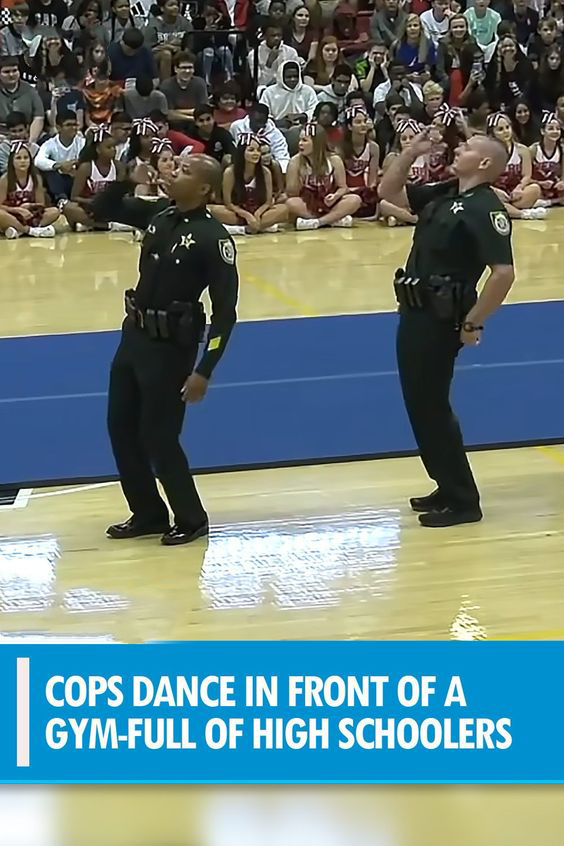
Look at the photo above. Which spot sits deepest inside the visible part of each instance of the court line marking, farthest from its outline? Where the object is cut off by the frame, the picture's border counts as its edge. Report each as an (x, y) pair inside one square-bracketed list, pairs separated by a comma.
[(552, 453), (21, 500), (70, 490), (286, 299), (292, 380), (551, 634)]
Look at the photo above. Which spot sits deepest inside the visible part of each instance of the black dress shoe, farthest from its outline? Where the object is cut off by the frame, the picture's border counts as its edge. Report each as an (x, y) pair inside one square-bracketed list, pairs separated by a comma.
[(433, 502), (176, 535), (450, 517), (133, 529)]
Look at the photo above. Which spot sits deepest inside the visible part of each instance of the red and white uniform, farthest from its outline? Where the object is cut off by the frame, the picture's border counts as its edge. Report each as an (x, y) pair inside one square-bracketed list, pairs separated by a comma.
[(438, 166), (316, 188), (513, 173), (26, 194), (357, 169), (548, 169), (252, 200), (419, 171), (96, 182)]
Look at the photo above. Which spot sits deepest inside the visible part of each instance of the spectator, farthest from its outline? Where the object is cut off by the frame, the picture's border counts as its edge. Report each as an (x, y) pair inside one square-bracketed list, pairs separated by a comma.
[(120, 130), (17, 129), (410, 92), (414, 50), (161, 170), (140, 101), (86, 24), (526, 127), (217, 142), (560, 110), (54, 61), (19, 96), (278, 179), (361, 158), (23, 206), (433, 99), (337, 91), (514, 187), (211, 44), (277, 14), (327, 115), (301, 34), (67, 99), (248, 198), (556, 13), (510, 74), (143, 132), (372, 69), (259, 123), (548, 162), (478, 109), (184, 91), (317, 186), (448, 129), (482, 26), (435, 21), (120, 19), (290, 102), (319, 71), (228, 105), (130, 58), (550, 78), (47, 13), (164, 34), (57, 158), (546, 37), (101, 97), (388, 24), (96, 54), (271, 54), (455, 60), (12, 36), (526, 20), (180, 142), (97, 169)]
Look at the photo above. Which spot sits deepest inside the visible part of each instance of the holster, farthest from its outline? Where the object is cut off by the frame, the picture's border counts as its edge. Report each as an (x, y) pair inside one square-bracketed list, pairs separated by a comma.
[(446, 299), (182, 323)]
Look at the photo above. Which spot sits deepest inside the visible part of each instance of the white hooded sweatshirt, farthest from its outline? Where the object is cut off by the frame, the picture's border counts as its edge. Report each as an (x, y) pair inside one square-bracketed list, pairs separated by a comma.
[(282, 100), (271, 135)]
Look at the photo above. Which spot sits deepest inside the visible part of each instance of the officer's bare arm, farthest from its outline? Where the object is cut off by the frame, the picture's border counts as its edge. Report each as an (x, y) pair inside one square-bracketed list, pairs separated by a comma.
[(493, 293)]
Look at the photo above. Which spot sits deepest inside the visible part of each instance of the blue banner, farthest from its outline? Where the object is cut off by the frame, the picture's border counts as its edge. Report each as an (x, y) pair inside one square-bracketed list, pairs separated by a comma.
[(273, 712)]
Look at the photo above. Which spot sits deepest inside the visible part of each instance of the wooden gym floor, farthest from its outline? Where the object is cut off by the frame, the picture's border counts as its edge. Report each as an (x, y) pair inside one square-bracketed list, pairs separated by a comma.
[(310, 552)]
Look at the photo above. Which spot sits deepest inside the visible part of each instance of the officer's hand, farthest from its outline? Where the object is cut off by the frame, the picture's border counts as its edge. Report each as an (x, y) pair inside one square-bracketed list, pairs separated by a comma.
[(422, 143), (470, 339), (194, 388)]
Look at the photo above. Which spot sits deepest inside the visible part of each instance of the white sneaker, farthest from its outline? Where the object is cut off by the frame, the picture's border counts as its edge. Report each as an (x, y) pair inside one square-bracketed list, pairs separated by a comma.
[(236, 230), (542, 204), (306, 223), (533, 214), (121, 227), (11, 233), (272, 229), (62, 203), (42, 231), (344, 223), (81, 227)]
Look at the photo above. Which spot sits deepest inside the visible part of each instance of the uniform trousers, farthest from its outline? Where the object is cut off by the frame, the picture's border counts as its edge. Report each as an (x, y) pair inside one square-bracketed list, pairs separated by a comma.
[(145, 416), (426, 351)]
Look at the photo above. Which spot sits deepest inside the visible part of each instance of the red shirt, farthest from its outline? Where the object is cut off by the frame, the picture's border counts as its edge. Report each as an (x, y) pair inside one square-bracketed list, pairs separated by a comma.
[(180, 141), (225, 119)]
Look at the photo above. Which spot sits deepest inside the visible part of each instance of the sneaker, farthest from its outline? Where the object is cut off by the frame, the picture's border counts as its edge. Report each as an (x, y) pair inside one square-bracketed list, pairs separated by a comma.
[(392, 221), (81, 227), (121, 227), (542, 204), (62, 203), (236, 230), (272, 230), (533, 214), (42, 231), (344, 223), (11, 233), (305, 223)]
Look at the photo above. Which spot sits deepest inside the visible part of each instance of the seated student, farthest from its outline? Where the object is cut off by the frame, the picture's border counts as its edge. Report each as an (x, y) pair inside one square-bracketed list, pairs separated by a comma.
[(447, 131), (23, 203), (183, 91), (228, 109), (218, 142), (361, 158), (271, 54), (16, 95), (65, 98), (101, 97), (180, 141), (546, 36), (120, 19), (259, 123), (120, 130), (160, 171), (514, 187), (388, 23), (482, 26), (130, 58), (278, 178), (47, 13), (394, 215), (209, 43), (143, 132), (326, 115), (478, 109), (410, 93), (248, 205), (548, 162), (371, 69), (320, 70), (316, 184), (15, 36), (525, 123), (165, 31), (336, 92), (57, 158), (143, 99), (291, 103), (17, 129)]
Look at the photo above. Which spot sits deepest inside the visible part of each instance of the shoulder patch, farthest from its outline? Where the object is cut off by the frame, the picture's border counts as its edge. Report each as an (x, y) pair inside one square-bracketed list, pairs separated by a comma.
[(500, 222), (227, 250)]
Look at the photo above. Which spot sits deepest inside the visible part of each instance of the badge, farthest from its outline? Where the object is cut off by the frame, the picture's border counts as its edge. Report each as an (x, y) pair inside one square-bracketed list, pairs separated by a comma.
[(227, 251), (500, 223)]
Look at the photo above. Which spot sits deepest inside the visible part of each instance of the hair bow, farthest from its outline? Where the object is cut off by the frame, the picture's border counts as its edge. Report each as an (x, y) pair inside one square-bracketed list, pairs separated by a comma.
[(408, 123), (353, 111), (310, 129), (159, 145), (493, 120), (16, 146), (548, 117), (446, 115), (144, 126), (246, 138), (98, 133)]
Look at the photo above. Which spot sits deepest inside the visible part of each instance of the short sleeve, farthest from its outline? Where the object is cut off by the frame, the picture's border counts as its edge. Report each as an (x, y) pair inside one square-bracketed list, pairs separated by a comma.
[(418, 196), (492, 230)]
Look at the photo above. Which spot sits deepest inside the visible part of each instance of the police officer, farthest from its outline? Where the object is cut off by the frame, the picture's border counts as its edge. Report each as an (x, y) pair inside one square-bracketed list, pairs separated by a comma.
[(153, 374), (462, 229)]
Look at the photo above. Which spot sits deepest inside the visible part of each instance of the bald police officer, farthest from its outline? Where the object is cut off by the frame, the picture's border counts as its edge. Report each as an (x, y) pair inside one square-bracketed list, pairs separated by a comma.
[(154, 372), (462, 229)]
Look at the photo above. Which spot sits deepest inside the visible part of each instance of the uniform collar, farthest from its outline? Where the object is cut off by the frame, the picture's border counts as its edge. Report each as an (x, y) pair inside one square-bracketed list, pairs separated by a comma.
[(192, 214)]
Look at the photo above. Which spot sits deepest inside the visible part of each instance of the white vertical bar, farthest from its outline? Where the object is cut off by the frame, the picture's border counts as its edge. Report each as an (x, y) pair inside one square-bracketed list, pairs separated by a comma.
[(22, 730)]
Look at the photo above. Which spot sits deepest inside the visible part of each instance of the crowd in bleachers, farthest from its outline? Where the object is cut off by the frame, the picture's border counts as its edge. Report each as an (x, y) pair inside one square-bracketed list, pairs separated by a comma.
[(304, 104)]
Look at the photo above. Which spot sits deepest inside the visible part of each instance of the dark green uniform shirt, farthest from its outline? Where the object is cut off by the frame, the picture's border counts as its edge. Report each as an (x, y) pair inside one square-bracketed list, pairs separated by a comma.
[(182, 254), (457, 234)]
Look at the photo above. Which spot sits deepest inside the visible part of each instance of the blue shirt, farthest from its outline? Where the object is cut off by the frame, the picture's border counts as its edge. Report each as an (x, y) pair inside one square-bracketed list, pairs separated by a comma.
[(124, 67)]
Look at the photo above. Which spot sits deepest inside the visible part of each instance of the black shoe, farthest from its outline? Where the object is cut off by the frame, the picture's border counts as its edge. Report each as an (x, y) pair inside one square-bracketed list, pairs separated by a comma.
[(176, 535), (132, 529), (450, 517), (433, 502)]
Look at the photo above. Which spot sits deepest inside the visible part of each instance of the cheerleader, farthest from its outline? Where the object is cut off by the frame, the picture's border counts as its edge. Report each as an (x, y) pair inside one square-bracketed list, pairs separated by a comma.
[(361, 158), (143, 132), (406, 131), (317, 185), (22, 198), (278, 179), (160, 171), (514, 187), (96, 170), (446, 136), (548, 162), (247, 192)]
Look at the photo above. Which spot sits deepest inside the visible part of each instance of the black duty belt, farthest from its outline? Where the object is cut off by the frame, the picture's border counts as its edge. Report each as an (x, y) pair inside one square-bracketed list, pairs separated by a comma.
[(447, 298), (183, 323)]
